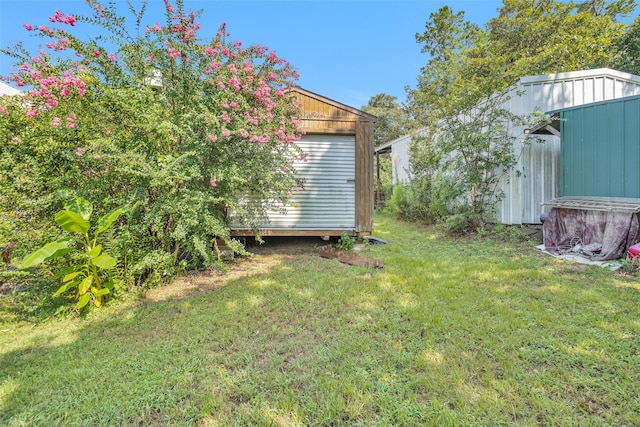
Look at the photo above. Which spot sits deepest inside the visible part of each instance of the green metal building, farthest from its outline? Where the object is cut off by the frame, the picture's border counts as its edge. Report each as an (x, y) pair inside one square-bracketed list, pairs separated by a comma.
[(600, 148)]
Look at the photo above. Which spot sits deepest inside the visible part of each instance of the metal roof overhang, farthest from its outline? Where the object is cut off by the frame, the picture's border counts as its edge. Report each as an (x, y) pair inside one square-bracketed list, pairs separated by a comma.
[(550, 126)]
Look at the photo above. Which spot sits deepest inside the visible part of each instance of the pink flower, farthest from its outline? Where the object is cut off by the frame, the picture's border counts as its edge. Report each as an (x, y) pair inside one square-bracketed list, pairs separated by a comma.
[(213, 138), (226, 133), (174, 53), (16, 140), (32, 113), (71, 121), (56, 121), (28, 27), (96, 53), (70, 19), (151, 58), (96, 156), (79, 151), (112, 57), (209, 50), (213, 183)]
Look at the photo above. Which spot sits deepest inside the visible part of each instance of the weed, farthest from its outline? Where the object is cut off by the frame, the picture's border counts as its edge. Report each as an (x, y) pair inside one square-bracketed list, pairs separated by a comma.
[(346, 242), (631, 266)]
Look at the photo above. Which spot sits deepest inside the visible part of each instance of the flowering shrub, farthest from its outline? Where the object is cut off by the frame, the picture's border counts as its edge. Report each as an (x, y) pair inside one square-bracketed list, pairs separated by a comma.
[(152, 117)]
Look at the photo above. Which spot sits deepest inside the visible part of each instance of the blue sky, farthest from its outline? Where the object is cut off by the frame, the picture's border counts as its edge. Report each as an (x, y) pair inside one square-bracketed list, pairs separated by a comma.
[(345, 50)]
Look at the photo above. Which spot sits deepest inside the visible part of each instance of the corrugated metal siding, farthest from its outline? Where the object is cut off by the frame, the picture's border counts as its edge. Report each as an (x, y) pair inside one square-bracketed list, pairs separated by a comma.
[(328, 201), (536, 178), (601, 149), (400, 159)]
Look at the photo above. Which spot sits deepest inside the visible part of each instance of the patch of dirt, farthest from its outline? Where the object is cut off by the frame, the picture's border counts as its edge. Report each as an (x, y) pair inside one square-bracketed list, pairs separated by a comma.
[(348, 257), (271, 253)]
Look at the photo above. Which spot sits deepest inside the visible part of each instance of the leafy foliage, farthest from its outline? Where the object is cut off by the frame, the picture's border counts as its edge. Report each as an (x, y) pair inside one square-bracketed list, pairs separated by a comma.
[(89, 264), (466, 143), (628, 45), (391, 118), (346, 242), (152, 117)]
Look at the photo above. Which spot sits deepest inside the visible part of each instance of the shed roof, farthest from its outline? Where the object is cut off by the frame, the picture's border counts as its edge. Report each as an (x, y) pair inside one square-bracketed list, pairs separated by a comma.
[(334, 108), (594, 104), (322, 115), (570, 75)]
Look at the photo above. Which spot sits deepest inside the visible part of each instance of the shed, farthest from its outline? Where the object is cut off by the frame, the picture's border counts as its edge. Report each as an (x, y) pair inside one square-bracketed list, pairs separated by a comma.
[(600, 148), (599, 177), (398, 149), (338, 174), (536, 177)]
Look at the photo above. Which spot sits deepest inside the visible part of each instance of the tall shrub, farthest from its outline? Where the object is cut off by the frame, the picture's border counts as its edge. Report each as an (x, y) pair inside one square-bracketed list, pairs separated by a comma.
[(151, 116)]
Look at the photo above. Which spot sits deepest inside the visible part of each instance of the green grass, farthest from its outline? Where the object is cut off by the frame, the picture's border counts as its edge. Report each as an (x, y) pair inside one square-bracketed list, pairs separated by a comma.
[(452, 332)]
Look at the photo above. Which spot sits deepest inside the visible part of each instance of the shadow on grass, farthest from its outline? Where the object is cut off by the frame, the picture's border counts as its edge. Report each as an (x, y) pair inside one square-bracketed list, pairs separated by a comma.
[(447, 334)]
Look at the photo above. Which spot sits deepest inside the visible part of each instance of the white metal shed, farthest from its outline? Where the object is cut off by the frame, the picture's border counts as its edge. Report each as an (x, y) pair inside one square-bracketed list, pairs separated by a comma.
[(536, 177)]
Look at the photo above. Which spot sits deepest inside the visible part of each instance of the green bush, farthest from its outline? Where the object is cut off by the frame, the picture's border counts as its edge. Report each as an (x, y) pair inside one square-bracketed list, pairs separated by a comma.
[(346, 242), (180, 155), (419, 201)]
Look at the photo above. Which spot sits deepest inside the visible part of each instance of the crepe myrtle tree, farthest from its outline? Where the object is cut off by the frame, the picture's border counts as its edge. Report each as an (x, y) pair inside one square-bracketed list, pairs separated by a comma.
[(152, 116)]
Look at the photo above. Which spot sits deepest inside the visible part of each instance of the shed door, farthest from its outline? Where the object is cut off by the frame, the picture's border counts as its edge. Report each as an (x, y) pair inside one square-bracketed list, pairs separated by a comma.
[(328, 201)]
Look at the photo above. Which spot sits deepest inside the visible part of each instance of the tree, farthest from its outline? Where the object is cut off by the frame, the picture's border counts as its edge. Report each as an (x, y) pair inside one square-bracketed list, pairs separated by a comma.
[(465, 146), (613, 8), (549, 36), (628, 47), (152, 117), (392, 119)]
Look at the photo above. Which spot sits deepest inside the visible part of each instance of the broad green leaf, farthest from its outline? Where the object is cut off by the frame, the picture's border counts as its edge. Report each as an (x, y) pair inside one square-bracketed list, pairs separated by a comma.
[(66, 287), (60, 253), (83, 300), (85, 285), (95, 251), (70, 276), (101, 292), (65, 271), (45, 252), (72, 222), (62, 289), (108, 284), (104, 262), (81, 207), (106, 221)]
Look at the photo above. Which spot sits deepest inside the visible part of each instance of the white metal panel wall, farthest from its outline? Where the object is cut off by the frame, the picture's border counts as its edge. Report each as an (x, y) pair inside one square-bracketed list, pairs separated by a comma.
[(400, 160), (536, 177), (328, 201)]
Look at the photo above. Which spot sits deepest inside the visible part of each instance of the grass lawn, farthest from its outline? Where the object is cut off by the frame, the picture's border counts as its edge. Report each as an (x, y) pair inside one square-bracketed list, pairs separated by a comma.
[(452, 332)]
